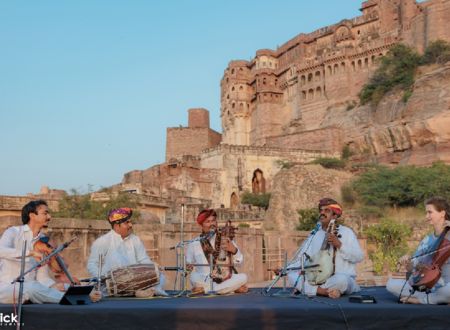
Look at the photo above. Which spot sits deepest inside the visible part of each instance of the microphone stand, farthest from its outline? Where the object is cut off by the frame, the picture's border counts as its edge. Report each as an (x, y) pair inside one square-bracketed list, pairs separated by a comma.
[(21, 280), (283, 292)]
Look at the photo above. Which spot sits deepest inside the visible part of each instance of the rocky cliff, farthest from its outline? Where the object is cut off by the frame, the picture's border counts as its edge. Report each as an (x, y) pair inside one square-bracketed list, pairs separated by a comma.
[(416, 132)]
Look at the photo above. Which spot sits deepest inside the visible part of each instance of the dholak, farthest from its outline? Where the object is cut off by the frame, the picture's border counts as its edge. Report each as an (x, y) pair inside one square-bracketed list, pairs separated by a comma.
[(123, 282)]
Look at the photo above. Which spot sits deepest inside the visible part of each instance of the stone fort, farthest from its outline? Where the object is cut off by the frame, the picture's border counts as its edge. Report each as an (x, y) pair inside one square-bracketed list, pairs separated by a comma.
[(277, 107)]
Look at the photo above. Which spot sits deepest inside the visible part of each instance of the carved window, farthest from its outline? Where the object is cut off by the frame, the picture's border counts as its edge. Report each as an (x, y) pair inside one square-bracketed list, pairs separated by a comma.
[(310, 77), (310, 94), (343, 67), (359, 64), (232, 89), (304, 95), (303, 79), (330, 72), (232, 71), (317, 75), (241, 88), (318, 92), (366, 62), (353, 66), (336, 68)]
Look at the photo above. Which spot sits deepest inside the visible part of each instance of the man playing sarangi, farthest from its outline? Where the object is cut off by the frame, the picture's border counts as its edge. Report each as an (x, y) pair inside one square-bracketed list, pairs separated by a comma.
[(225, 279)]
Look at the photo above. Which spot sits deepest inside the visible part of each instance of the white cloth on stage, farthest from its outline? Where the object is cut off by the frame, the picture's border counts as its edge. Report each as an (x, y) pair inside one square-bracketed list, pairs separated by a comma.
[(119, 252), (347, 256), (37, 284), (200, 275), (440, 293)]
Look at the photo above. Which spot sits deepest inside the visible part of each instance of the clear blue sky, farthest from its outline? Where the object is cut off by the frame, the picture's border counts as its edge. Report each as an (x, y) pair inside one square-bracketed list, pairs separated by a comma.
[(88, 87)]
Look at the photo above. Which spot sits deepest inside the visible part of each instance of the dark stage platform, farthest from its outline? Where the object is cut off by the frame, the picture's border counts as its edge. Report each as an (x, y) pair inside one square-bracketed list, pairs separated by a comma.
[(245, 311)]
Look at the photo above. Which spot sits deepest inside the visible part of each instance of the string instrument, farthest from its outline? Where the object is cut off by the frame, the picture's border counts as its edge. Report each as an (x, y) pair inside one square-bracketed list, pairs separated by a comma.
[(427, 270), (223, 271), (56, 263), (324, 258)]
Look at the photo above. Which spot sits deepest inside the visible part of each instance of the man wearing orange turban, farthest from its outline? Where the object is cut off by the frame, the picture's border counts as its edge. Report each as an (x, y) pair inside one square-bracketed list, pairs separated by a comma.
[(198, 253), (343, 248)]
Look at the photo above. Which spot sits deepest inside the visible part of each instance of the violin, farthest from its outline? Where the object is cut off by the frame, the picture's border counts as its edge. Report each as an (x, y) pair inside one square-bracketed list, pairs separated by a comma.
[(427, 272), (56, 262)]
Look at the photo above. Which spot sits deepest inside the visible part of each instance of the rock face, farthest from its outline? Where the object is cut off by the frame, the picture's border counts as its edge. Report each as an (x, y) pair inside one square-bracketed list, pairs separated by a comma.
[(416, 132), (301, 187)]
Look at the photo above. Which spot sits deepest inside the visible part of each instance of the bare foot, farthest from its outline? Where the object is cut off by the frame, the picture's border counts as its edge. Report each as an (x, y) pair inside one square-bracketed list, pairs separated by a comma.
[(242, 289), (197, 290), (334, 293), (145, 293), (410, 300)]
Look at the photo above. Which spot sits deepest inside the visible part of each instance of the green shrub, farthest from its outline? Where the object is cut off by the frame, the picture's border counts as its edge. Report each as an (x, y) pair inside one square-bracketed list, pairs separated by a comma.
[(347, 194), (329, 162), (80, 206), (437, 52), (397, 69), (389, 238), (243, 225), (261, 200), (284, 163), (401, 186), (346, 152), (307, 219)]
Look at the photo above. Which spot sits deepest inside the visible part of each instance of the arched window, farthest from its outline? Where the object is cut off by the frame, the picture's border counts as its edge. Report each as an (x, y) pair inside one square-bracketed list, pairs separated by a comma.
[(359, 64), (366, 62), (304, 95), (232, 71), (336, 68), (330, 72), (342, 66), (303, 79), (310, 77), (232, 89), (310, 94), (240, 87), (353, 66), (318, 92), (317, 75), (258, 182)]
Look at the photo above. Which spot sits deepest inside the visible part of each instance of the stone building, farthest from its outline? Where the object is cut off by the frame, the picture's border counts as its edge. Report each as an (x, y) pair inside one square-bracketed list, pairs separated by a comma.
[(281, 97)]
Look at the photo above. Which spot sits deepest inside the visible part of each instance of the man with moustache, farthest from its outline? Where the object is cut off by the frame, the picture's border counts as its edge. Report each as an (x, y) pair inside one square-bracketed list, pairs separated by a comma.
[(344, 247), (120, 248), (39, 286), (197, 259)]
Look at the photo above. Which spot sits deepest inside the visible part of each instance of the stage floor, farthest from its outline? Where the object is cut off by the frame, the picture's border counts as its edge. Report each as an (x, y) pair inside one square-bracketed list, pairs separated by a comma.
[(244, 311)]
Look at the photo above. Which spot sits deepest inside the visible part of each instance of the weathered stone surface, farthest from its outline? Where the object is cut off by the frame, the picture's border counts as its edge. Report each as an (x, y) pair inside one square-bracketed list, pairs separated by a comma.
[(301, 187)]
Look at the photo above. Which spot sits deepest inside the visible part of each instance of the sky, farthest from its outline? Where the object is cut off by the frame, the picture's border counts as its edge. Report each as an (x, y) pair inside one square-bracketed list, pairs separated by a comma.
[(88, 87)]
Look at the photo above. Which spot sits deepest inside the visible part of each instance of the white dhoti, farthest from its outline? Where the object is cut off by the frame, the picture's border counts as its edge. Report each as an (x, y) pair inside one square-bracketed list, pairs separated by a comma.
[(32, 291), (230, 285), (346, 284)]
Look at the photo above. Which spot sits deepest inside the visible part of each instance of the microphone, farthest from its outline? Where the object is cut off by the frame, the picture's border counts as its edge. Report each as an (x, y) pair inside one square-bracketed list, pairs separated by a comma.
[(307, 256)]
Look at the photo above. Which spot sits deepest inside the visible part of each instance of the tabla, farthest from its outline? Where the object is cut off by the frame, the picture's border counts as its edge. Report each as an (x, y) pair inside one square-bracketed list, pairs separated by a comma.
[(124, 281)]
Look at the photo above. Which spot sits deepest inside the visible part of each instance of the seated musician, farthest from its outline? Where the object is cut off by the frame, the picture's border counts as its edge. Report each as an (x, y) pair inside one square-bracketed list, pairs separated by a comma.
[(39, 286), (225, 279), (343, 246), (120, 248), (438, 215)]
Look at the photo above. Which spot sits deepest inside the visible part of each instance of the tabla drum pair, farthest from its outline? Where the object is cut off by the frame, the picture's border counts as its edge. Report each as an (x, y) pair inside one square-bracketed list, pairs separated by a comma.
[(124, 281)]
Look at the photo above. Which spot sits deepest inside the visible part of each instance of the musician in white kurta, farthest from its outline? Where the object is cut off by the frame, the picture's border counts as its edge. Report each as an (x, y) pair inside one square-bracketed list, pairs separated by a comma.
[(120, 248), (38, 287), (438, 215), (347, 254), (200, 275)]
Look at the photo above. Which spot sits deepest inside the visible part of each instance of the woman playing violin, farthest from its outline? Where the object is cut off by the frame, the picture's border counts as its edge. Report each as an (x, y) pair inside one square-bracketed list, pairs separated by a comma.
[(438, 216)]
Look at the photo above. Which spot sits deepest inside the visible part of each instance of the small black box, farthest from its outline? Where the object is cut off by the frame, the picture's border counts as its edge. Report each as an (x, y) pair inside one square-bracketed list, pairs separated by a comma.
[(362, 299), (77, 295)]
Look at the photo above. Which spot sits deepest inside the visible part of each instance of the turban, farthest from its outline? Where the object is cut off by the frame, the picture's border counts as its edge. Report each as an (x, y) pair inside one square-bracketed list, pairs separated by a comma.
[(332, 205), (120, 215), (205, 214)]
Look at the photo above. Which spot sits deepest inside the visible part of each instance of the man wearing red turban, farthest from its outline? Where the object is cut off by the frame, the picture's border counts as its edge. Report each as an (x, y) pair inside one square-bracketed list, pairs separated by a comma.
[(342, 253), (209, 244)]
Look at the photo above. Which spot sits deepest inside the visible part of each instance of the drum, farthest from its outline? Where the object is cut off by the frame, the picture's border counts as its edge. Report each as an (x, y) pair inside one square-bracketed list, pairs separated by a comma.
[(124, 281)]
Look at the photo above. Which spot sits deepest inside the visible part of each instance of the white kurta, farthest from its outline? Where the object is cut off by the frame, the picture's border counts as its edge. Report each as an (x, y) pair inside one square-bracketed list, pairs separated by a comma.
[(440, 293), (118, 252), (347, 256), (37, 283), (200, 275)]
